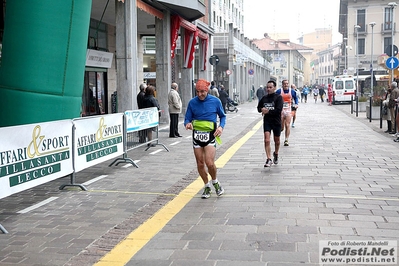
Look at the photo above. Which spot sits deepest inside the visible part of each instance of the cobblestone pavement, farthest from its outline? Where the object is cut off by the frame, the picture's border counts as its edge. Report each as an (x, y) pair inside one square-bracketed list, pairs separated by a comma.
[(338, 180)]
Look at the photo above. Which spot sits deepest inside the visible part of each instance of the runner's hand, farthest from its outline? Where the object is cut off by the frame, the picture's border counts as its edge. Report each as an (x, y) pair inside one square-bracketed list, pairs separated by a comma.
[(218, 132), (189, 126)]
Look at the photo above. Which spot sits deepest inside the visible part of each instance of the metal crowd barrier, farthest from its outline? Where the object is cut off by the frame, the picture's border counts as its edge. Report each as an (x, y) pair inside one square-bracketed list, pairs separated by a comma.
[(138, 125), (46, 151)]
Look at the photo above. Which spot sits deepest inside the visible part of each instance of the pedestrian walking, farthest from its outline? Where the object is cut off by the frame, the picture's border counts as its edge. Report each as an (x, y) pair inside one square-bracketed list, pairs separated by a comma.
[(175, 105), (304, 94), (330, 94), (294, 106), (201, 117), (315, 94), (322, 93), (386, 114), (213, 90), (271, 106), (223, 96), (260, 92)]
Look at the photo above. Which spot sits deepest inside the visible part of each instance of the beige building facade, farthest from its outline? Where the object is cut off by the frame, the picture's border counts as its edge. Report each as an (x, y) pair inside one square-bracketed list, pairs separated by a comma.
[(369, 27)]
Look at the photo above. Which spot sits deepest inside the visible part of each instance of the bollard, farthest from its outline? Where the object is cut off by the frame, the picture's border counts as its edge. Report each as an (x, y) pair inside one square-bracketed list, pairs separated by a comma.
[(351, 104), (381, 113), (357, 105), (370, 110)]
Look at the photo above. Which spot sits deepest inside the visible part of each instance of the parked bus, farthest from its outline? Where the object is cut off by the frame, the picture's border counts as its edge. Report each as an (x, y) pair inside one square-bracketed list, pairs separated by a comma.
[(344, 88)]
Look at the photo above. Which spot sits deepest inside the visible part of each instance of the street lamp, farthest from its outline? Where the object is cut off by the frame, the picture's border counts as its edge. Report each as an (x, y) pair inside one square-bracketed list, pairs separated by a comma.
[(345, 47), (392, 6), (357, 27), (372, 24)]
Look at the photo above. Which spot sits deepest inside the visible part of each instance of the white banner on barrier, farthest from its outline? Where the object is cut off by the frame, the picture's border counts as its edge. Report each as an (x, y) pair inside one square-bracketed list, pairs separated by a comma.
[(34, 154), (141, 119), (97, 139)]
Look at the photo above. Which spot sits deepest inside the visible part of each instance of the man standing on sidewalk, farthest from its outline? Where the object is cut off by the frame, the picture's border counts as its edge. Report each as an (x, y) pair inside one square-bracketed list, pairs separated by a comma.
[(392, 105), (201, 117), (175, 105), (271, 106)]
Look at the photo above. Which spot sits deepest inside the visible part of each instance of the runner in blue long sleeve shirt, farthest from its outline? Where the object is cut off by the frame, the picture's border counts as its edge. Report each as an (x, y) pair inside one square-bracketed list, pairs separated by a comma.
[(201, 117)]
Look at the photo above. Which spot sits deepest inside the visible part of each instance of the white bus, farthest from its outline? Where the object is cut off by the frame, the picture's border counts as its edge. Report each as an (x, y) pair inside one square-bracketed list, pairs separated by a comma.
[(344, 88)]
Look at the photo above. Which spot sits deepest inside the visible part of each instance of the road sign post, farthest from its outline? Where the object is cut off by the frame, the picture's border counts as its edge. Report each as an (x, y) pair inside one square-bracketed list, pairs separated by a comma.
[(214, 61)]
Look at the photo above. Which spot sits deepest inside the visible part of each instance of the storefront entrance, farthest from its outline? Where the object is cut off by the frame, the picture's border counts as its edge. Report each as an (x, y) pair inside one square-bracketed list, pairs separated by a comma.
[(94, 97)]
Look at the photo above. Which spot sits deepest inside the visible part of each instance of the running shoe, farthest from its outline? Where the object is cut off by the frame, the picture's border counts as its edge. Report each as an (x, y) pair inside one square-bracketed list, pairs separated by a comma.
[(275, 158), (268, 163), (218, 188), (293, 125), (207, 193), (286, 142)]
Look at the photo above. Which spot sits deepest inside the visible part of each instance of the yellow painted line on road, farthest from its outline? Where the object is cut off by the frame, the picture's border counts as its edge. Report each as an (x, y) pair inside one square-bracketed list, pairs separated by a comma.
[(221, 162), (127, 248)]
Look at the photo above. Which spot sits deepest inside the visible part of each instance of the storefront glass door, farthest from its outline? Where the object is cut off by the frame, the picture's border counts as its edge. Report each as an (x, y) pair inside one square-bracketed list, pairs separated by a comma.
[(94, 100)]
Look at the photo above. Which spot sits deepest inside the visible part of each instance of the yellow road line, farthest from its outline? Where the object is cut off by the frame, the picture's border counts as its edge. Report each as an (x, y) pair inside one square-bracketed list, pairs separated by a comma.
[(127, 248)]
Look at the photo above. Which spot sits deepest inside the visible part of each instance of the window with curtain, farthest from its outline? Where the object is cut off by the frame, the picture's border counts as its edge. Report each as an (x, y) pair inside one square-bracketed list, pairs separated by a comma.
[(361, 19), (361, 46), (388, 18)]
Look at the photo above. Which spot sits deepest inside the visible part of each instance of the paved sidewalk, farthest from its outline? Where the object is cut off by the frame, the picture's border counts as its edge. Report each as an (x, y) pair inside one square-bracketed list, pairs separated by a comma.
[(338, 180)]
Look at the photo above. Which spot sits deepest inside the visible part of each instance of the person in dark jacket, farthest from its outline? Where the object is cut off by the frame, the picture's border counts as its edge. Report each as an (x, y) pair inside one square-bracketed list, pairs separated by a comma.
[(140, 96), (223, 97), (150, 101), (140, 104), (260, 92), (322, 93), (271, 106)]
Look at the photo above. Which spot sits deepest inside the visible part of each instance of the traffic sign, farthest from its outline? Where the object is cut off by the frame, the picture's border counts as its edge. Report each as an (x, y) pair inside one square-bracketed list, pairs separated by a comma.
[(214, 60), (392, 63), (251, 71), (388, 50), (228, 72)]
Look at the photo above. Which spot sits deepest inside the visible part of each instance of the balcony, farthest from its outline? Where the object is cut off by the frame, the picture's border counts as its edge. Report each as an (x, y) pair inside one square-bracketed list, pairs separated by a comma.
[(386, 28)]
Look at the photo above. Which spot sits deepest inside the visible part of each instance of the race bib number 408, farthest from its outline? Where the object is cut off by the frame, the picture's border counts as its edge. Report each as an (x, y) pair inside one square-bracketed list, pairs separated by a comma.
[(201, 136)]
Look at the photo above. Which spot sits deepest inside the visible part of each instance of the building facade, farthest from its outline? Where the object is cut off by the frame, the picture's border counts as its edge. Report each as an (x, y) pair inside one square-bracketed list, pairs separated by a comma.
[(287, 59), (326, 65), (241, 67), (370, 28), (121, 44)]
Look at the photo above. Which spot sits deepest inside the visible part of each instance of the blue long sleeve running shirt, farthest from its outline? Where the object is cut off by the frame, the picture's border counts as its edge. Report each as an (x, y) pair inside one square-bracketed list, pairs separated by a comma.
[(208, 109)]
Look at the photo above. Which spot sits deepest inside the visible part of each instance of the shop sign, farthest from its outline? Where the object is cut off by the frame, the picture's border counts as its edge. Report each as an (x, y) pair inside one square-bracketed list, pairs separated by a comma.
[(96, 58)]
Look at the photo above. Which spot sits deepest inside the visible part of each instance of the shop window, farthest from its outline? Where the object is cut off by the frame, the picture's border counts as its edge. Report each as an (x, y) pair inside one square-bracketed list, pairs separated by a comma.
[(97, 35), (94, 100)]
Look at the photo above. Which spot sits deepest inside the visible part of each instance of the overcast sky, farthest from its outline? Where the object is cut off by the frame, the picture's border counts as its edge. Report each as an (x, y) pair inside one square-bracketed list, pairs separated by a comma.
[(290, 16)]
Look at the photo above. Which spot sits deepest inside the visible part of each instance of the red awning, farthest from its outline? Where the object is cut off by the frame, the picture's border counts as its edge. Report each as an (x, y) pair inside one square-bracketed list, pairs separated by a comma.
[(190, 40)]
